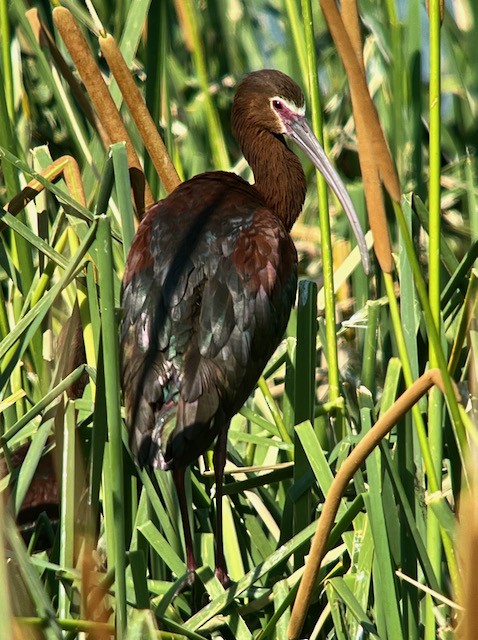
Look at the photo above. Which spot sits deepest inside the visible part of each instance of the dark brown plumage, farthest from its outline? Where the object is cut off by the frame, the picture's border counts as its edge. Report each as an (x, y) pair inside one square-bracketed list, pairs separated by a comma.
[(208, 287)]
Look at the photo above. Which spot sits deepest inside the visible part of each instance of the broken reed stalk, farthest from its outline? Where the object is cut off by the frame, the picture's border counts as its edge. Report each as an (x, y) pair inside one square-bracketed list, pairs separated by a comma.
[(344, 475), (367, 159), (103, 102), (139, 112), (67, 167)]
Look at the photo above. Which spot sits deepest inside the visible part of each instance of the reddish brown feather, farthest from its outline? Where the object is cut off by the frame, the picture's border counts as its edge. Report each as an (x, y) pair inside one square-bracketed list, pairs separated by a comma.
[(265, 255), (140, 257)]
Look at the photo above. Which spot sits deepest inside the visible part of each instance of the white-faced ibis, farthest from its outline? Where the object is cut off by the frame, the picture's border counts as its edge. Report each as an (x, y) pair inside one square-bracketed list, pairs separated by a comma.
[(208, 287)]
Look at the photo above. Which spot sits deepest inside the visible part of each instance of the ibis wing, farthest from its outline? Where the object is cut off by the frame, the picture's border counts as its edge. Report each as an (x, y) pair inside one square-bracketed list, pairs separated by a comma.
[(207, 293)]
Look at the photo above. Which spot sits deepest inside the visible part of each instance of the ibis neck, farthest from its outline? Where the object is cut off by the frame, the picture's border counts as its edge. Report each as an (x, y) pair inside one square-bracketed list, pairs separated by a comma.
[(278, 175)]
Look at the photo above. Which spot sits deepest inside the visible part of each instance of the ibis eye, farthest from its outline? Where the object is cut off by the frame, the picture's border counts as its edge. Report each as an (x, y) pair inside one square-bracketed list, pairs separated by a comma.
[(277, 104)]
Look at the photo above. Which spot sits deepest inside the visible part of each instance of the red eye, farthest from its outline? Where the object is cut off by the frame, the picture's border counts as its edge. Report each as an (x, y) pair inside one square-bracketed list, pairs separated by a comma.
[(277, 104)]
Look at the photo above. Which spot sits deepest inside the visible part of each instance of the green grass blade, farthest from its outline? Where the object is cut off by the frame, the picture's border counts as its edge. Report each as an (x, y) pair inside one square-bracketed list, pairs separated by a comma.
[(114, 477)]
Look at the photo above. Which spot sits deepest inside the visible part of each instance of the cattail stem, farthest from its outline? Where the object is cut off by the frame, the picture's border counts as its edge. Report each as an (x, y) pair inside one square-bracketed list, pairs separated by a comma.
[(102, 101), (137, 107)]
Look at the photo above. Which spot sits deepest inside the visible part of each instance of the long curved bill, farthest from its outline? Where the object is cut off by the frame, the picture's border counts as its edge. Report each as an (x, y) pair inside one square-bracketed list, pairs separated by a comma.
[(301, 133)]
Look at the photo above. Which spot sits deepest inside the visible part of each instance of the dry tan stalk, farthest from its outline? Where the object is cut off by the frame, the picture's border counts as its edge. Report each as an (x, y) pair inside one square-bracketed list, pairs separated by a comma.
[(373, 196), (374, 131), (102, 101), (65, 166), (350, 17), (137, 107), (468, 554), (181, 12), (339, 484), (367, 157)]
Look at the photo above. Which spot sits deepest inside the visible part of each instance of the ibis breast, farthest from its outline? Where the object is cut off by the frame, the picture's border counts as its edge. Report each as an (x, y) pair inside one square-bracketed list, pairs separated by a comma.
[(207, 291)]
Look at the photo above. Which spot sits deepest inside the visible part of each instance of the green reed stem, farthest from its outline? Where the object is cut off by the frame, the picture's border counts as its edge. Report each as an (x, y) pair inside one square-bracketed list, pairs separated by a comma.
[(326, 245), (433, 336), (6, 59), (305, 363), (428, 459), (67, 513), (435, 413), (296, 26), (112, 394)]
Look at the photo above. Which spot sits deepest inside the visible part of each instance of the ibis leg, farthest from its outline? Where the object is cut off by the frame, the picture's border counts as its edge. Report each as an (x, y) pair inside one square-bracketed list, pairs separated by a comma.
[(219, 464), (178, 477)]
